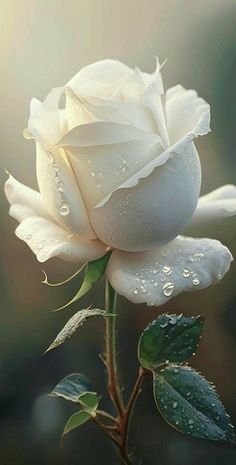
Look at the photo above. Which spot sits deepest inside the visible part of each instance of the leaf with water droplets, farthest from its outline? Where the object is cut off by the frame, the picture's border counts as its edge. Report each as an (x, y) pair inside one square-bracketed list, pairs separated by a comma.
[(93, 272), (77, 388), (77, 320), (189, 403), (76, 420), (169, 338)]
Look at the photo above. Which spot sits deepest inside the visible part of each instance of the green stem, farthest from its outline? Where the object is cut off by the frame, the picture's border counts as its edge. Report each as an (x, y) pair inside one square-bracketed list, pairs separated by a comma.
[(130, 407), (111, 356)]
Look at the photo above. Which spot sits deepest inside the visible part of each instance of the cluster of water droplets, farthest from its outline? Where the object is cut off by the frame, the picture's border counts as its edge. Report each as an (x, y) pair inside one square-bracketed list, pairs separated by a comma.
[(159, 275), (97, 176), (64, 208), (122, 168)]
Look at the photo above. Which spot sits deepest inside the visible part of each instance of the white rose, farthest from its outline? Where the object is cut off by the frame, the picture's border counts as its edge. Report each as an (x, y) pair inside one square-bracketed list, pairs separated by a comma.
[(117, 168)]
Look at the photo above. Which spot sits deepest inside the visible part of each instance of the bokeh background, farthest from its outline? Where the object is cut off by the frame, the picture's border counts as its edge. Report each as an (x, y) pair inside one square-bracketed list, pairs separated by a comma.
[(42, 44)]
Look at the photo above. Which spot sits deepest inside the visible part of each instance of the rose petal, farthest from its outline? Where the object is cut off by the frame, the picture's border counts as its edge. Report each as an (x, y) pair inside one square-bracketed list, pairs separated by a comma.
[(45, 238), (23, 200), (48, 240), (154, 277), (61, 193), (47, 122), (220, 203), (99, 78), (102, 133), (101, 169), (186, 113), (154, 205), (90, 109), (153, 100)]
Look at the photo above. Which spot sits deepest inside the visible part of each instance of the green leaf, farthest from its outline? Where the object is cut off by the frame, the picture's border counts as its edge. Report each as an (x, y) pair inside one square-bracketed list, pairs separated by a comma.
[(77, 388), (73, 324), (169, 338), (93, 272), (89, 401), (189, 403), (76, 420)]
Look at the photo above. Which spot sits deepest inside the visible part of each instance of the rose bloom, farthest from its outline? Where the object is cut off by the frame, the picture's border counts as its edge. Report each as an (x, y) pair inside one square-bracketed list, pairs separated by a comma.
[(118, 170)]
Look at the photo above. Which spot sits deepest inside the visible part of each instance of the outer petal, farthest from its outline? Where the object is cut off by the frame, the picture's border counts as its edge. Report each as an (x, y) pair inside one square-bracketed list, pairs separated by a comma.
[(185, 264), (154, 205), (38, 230), (220, 203), (23, 200), (47, 122), (61, 193), (186, 113), (47, 240), (101, 169)]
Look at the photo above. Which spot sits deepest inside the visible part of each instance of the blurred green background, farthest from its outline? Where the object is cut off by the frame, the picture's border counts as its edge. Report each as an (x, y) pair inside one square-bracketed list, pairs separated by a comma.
[(42, 44)]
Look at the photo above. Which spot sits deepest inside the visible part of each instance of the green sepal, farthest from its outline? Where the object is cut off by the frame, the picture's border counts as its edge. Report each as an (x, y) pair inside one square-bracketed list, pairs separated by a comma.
[(169, 339), (189, 403), (93, 272)]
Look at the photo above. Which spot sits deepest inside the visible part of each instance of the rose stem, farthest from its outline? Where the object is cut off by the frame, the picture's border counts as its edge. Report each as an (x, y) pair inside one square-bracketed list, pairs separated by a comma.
[(111, 356)]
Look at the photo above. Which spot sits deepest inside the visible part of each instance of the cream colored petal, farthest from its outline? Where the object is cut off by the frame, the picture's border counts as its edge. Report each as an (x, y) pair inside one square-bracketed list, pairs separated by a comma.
[(48, 240), (220, 203), (45, 238), (98, 78), (154, 205), (102, 133), (60, 192), (153, 99), (186, 113), (154, 277), (101, 169), (90, 109), (23, 200), (47, 122)]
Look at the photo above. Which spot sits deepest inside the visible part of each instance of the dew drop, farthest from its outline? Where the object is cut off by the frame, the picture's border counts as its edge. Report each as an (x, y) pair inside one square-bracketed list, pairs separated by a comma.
[(167, 269), (60, 186), (190, 422), (186, 273), (136, 291), (175, 404), (168, 289), (28, 237), (196, 281), (92, 174), (64, 209), (143, 289)]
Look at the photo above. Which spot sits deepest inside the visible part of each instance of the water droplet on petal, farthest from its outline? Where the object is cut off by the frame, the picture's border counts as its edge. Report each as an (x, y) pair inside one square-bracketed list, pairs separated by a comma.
[(136, 291), (186, 273), (60, 186), (168, 289), (64, 209), (196, 281), (167, 269), (28, 237)]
